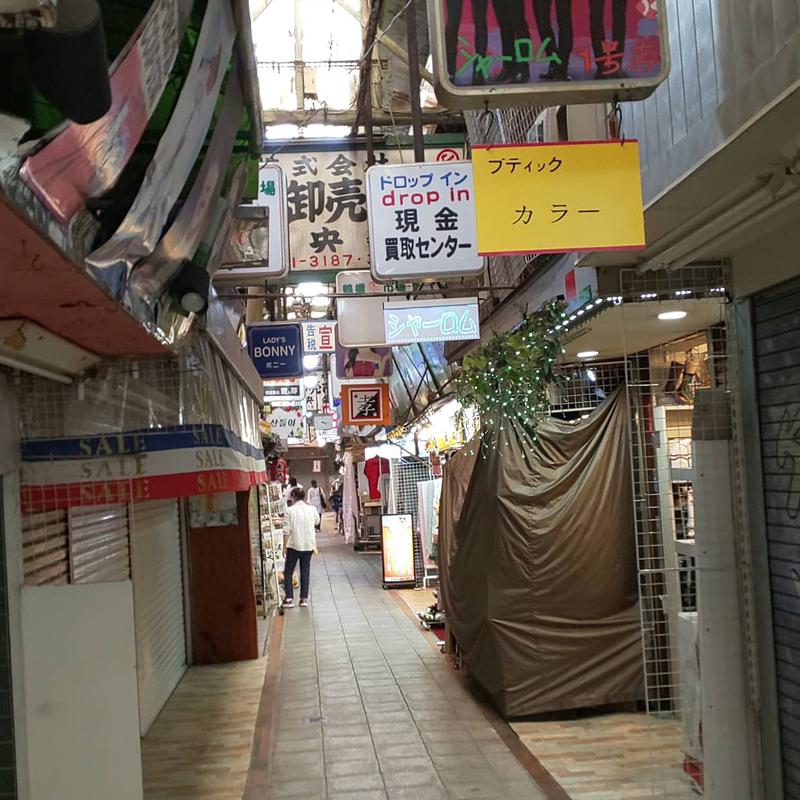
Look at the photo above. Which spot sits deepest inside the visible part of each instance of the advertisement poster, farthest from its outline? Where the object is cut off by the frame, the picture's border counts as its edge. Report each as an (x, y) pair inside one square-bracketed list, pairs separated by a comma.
[(84, 161), (327, 203), (213, 510), (565, 40), (397, 535), (422, 221), (363, 362)]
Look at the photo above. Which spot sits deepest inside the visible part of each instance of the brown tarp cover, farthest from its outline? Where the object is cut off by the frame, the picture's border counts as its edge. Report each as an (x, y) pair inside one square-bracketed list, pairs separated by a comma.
[(538, 564)]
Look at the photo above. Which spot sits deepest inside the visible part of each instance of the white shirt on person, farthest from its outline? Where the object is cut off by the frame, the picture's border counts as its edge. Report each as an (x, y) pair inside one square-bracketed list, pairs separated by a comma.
[(314, 498), (300, 525)]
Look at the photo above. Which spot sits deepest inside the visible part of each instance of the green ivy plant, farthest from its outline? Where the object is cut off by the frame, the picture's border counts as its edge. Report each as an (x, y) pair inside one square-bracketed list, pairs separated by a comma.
[(507, 378)]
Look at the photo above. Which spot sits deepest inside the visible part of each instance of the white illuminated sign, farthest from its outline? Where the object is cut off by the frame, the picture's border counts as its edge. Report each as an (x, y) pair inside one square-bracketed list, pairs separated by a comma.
[(319, 336), (409, 322), (422, 220), (397, 538)]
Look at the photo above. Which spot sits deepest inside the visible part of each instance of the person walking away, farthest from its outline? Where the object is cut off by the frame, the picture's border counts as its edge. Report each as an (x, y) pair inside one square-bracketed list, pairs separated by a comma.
[(561, 48), (299, 544), (290, 487), (316, 499), (608, 55)]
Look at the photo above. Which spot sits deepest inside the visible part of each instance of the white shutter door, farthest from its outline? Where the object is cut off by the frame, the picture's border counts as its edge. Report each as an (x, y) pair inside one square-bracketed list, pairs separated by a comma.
[(98, 540), (158, 604)]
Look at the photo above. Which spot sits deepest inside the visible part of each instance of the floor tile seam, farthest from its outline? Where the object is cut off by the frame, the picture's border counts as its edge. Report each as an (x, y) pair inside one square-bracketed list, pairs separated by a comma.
[(360, 694), (319, 700), (405, 702)]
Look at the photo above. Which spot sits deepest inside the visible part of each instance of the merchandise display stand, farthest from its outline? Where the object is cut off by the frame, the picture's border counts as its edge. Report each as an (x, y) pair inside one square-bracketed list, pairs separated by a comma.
[(273, 507), (368, 533)]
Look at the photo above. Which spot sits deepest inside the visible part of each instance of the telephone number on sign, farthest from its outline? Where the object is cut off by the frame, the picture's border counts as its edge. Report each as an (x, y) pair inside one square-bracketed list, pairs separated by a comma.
[(329, 260)]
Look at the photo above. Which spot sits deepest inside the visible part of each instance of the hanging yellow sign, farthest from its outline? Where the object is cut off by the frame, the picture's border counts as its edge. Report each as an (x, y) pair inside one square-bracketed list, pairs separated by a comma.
[(558, 197)]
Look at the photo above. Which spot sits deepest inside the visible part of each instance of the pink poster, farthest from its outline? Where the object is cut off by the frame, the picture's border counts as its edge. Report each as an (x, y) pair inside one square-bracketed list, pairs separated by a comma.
[(84, 161)]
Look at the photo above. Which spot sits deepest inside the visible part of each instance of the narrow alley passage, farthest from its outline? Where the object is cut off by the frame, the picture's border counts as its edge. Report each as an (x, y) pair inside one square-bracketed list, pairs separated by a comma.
[(366, 708)]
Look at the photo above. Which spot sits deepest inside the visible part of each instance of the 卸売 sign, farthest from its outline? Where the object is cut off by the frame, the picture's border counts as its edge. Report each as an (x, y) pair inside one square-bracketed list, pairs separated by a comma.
[(580, 51), (422, 220), (276, 349), (558, 198), (326, 203), (366, 404), (319, 336), (414, 321)]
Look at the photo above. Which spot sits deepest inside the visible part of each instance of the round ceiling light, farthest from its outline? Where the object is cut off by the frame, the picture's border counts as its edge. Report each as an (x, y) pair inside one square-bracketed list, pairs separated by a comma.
[(588, 354), (669, 315)]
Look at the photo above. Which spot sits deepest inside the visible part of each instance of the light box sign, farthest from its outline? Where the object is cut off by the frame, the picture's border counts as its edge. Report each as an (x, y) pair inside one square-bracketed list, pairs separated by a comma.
[(415, 321), (287, 423), (276, 349), (319, 336), (558, 198), (397, 540), (422, 221), (576, 51), (360, 318), (366, 404), (287, 391)]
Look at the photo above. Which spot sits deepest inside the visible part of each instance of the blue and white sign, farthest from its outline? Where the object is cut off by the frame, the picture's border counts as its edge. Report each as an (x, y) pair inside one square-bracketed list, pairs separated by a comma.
[(412, 321), (276, 350)]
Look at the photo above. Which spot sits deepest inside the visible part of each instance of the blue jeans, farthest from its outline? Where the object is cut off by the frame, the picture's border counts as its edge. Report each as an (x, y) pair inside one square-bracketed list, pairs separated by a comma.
[(292, 557)]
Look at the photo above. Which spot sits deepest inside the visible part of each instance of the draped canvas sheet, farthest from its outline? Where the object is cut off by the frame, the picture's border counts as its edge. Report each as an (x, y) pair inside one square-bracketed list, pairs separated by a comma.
[(538, 565)]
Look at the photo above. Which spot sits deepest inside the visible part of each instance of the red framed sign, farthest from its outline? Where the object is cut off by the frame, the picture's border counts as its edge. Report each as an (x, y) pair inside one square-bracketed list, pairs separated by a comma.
[(366, 404)]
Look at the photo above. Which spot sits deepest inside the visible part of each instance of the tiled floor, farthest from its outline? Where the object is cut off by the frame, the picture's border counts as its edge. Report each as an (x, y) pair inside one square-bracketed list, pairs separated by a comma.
[(611, 756), (366, 708), (200, 745)]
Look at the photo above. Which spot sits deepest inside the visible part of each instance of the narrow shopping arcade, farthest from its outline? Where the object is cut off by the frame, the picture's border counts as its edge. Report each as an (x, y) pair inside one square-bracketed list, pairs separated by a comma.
[(365, 707)]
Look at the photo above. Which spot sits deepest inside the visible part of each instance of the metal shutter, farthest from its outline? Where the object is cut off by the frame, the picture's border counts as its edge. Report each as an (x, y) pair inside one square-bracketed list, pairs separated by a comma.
[(158, 604), (98, 544), (776, 316), (44, 548)]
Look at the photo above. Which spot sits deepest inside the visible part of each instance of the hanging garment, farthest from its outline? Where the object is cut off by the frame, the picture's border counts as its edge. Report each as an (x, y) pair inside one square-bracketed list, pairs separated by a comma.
[(373, 469)]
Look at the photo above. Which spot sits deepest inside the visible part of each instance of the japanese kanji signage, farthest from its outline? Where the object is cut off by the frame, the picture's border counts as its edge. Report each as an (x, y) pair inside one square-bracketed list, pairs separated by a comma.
[(366, 404), (288, 391), (327, 204), (276, 349), (361, 319), (422, 220), (558, 198), (319, 336), (577, 51), (413, 321)]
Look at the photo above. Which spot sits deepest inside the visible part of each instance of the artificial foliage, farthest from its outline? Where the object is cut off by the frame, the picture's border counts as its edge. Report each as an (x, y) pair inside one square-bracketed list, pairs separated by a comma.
[(506, 380)]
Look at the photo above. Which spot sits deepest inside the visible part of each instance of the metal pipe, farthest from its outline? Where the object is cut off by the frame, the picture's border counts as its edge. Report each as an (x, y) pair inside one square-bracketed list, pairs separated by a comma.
[(413, 79), (352, 296)]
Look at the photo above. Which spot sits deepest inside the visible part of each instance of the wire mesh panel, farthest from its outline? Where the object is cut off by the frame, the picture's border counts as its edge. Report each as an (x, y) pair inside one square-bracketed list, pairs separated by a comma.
[(405, 473), (674, 391), (580, 388)]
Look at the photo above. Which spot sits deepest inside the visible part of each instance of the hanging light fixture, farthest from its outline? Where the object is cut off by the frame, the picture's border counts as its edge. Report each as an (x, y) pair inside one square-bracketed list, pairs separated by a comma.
[(190, 288)]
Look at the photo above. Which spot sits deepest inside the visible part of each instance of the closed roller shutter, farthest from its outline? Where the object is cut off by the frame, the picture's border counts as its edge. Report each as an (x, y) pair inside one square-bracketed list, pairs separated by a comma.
[(98, 544), (776, 315), (45, 554), (158, 604)]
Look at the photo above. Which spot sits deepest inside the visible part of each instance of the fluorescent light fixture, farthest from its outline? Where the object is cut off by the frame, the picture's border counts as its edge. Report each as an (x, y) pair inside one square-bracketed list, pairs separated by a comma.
[(28, 347), (591, 375), (588, 354), (310, 381), (311, 361), (311, 289), (670, 315)]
